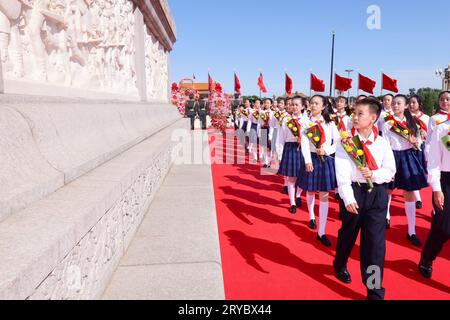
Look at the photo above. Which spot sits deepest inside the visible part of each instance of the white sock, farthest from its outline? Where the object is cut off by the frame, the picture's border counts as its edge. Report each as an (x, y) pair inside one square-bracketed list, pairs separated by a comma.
[(388, 215), (417, 195), (250, 146), (323, 214), (268, 158), (299, 192), (291, 189), (310, 198), (410, 209)]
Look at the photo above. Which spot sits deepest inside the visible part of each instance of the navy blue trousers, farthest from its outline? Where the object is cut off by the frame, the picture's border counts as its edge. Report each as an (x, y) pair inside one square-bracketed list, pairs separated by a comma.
[(371, 221), (440, 227)]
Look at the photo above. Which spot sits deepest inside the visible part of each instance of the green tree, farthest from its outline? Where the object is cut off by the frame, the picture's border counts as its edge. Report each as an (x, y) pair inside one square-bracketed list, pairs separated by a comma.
[(430, 98)]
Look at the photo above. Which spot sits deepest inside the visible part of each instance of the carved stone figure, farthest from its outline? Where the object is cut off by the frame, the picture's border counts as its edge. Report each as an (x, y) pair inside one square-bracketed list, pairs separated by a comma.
[(10, 11)]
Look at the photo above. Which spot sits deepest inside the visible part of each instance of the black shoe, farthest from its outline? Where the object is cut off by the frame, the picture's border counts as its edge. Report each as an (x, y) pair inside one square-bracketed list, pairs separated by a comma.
[(285, 190), (293, 210), (324, 240), (388, 224), (343, 276), (425, 269), (419, 205), (312, 224), (414, 240), (298, 202)]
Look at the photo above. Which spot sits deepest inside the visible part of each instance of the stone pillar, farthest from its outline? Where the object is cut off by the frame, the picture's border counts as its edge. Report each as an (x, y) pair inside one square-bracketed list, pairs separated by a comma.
[(139, 44)]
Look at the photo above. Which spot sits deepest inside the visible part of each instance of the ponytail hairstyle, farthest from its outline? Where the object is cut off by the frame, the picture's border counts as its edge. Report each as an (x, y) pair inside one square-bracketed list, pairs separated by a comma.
[(328, 109), (419, 100), (411, 122)]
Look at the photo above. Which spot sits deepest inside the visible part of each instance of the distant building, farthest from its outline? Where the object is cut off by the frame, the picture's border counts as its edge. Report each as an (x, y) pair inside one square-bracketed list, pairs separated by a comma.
[(202, 88)]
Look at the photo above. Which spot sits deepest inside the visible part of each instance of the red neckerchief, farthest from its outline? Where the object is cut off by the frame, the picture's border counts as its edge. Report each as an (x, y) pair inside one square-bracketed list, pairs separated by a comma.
[(370, 160), (266, 122), (445, 114), (323, 138), (402, 124), (299, 127), (422, 124), (342, 126)]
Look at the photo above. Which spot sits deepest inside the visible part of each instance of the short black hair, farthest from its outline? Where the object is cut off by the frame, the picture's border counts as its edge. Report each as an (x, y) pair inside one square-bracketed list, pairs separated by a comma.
[(265, 99), (374, 105), (388, 95)]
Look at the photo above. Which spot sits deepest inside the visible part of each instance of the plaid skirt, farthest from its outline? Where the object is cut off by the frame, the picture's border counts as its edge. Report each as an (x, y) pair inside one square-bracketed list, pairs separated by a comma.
[(411, 174), (323, 177), (292, 161)]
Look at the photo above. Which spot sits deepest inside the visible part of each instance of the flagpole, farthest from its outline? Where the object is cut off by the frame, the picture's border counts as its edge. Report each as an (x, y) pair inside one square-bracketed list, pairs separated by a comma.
[(382, 83), (332, 64)]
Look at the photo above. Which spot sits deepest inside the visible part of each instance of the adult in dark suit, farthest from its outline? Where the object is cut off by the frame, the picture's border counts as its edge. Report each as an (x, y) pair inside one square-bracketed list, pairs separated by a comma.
[(192, 107), (203, 111)]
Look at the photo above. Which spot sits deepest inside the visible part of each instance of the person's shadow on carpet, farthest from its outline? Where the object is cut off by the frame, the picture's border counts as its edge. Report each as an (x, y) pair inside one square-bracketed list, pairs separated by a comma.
[(248, 247)]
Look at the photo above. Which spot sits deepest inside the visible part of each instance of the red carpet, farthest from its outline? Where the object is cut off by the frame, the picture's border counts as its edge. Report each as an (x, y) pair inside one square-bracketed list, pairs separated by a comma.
[(267, 253)]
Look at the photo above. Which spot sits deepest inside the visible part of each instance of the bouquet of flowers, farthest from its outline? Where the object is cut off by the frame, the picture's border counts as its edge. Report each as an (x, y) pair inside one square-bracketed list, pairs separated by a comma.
[(256, 115), (402, 130), (295, 127), (315, 136), (446, 141), (353, 147), (265, 116), (220, 110), (219, 122)]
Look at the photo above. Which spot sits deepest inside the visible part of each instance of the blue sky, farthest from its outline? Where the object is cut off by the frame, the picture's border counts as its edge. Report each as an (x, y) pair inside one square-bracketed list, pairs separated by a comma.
[(249, 36)]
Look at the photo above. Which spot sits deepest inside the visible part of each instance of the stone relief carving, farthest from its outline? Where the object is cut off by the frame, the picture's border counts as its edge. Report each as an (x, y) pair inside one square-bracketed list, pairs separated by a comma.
[(79, 43), (156, 67), (86, 270)]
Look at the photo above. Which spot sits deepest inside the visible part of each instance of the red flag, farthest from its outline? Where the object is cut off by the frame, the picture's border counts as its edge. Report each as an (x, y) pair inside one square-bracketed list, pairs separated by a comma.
[(289, 85), (237, 84), (210, 83), (261, 83), (366, 84), (317, 84), (389, 84), (343, 84)]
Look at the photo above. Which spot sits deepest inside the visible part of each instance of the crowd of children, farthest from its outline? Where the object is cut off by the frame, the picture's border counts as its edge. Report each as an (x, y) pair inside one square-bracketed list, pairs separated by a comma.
[(362, 151)]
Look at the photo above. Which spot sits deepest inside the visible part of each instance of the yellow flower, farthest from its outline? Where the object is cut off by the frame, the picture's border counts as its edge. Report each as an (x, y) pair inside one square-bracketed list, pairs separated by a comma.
[(349, 149), (405, 131), (289, 119), (438, 121), (391, 122), (310, 135), (360, 153), (344, 134), (290, 125), (311, 124), (316, 139), (397, 130), (295, 129)]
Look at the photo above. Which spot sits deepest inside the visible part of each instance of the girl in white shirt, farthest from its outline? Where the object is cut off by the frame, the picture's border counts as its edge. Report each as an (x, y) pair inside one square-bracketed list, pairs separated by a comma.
[(415, 106), (319, 176), (411, 175)]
